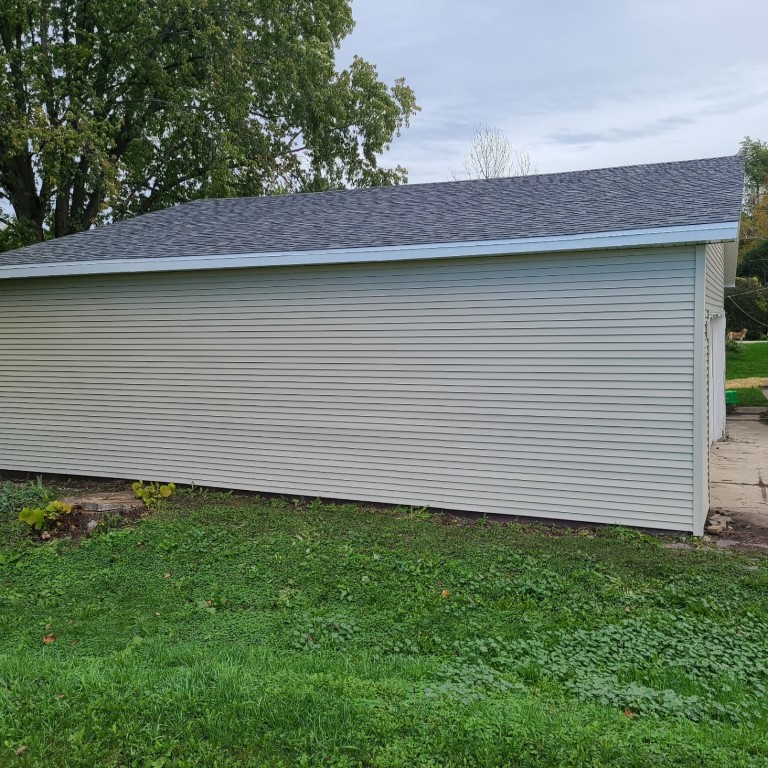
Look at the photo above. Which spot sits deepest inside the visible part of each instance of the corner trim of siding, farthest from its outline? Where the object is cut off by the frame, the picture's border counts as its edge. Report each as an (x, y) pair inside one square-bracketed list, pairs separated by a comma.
[(700, 391), (629, 238)]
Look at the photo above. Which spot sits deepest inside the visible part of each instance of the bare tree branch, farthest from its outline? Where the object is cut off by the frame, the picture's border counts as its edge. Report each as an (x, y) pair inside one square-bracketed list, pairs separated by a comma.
[(492, 156)]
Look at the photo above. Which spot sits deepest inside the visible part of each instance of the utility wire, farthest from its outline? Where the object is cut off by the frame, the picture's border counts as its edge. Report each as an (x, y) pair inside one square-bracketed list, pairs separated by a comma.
[(752, 317), (746, 293)]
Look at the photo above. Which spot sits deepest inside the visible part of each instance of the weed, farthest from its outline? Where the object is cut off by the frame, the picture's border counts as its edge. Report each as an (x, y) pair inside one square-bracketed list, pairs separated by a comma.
[(153, 494), (239, 632), (48, 516), (15, 496)]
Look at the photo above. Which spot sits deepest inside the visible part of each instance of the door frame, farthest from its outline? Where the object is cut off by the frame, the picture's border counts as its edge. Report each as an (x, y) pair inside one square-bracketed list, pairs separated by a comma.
[(716, 334)]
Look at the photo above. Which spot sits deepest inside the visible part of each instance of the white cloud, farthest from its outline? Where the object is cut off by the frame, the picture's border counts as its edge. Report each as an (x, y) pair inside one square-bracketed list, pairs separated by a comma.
[(579, 85)]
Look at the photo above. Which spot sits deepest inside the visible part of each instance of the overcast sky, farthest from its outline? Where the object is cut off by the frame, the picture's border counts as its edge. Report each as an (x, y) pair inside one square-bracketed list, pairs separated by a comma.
[(576, 83)]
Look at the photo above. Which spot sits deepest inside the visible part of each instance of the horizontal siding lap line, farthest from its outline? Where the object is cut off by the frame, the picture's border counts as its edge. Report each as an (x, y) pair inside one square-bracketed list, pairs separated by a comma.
[(269, 348), (461, 325), (448, 472), (435, 350), (570, 496), (339, 342), (502, 292), (542, 416), (553, 259), (477, 277), (578, 284), (479, 357), (444, 376), (669, 520), (424, 407), (634, 429), (368, 381), (468, 372), (641, 305), (562, 268), (624, 462), (546, 439), (445, 394), (594, 314), (352, 339), (632, 398), (575, 288)]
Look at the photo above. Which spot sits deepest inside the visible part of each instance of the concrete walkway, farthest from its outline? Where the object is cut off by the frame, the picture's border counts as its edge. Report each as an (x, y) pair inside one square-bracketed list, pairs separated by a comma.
[(739, 470)]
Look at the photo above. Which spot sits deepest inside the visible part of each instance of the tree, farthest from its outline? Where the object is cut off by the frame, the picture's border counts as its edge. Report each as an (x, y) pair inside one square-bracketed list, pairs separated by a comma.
[(492, 156), (755, 154), (109, 109), (754, 263), (746, 306), (754, 217)]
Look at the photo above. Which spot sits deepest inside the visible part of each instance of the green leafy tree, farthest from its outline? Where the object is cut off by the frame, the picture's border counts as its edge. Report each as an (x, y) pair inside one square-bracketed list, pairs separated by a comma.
[(755, 154), (754, 262), (111, 108), (746, 306), (754, 217)]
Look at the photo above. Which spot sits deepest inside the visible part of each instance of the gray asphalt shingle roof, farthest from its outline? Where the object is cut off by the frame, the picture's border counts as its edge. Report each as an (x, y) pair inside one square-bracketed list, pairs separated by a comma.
[(631, 197)]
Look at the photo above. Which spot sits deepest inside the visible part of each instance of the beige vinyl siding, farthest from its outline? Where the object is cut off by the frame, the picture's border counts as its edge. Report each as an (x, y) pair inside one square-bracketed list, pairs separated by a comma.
[(715, 277), (542, 385), (714, 301)]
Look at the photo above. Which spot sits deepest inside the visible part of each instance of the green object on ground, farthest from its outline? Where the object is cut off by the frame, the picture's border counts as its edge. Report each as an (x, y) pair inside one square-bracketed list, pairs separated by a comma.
[(239, 631), (749, 396), (731, 397)]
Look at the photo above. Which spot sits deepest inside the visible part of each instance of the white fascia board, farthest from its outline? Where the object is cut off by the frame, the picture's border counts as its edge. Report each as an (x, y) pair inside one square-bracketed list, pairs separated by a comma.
[(731, 258), (630, 238)]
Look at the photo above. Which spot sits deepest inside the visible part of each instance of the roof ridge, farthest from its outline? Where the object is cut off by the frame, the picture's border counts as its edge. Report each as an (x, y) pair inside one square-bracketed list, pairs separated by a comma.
[(495, 179), (631, 197)]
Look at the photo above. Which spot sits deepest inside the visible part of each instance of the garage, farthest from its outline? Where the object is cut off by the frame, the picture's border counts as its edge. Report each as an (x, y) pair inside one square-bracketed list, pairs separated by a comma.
[(540, 346)]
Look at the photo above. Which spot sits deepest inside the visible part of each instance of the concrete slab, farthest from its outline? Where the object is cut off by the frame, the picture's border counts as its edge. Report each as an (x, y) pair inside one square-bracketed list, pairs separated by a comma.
[(738, 470)]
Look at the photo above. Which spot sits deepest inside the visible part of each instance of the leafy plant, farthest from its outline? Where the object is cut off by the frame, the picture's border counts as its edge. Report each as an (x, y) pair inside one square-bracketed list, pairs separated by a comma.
[(153, 494), (15, 496), (44, 517)]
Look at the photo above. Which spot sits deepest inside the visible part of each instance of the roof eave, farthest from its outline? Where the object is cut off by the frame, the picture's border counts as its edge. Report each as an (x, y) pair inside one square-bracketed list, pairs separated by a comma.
[(654, 237)]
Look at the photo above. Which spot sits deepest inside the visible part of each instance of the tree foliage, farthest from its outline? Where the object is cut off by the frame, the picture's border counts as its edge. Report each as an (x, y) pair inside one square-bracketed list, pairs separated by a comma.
[(754, 263), (111, 108), (746, 306), (755, 154), (754, 218)]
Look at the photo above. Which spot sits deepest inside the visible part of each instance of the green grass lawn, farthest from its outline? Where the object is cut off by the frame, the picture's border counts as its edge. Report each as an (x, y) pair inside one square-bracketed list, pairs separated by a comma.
[(238, 631), (750, 360), (752, 396)]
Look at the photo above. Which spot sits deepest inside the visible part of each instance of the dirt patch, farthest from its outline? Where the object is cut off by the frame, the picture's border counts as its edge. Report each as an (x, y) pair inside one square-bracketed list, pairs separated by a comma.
[(740, 535), (94, 509), (754, 381)]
